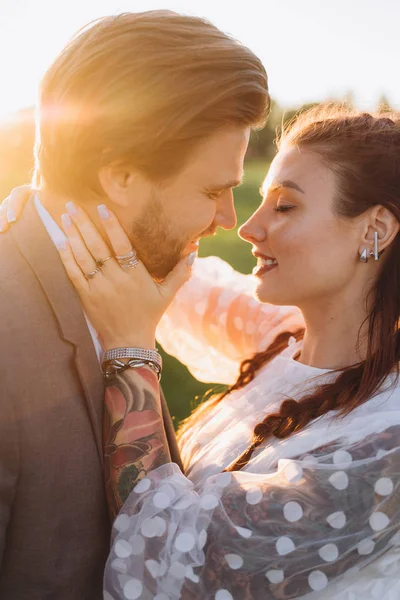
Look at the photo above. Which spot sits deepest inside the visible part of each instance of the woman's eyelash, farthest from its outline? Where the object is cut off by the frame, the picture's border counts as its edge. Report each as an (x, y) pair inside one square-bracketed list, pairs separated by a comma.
[(283, 208)]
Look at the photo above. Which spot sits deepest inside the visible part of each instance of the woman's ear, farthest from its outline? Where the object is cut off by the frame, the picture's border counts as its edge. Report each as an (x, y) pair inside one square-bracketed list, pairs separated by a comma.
[(383, 221), (116, 181)]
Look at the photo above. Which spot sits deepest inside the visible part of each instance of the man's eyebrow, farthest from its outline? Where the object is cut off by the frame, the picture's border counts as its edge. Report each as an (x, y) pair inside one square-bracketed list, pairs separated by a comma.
[(226, 186), (287, 183)]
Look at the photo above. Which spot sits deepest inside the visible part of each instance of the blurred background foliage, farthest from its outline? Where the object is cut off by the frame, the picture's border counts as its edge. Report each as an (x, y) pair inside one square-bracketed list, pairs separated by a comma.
[(182, 391)]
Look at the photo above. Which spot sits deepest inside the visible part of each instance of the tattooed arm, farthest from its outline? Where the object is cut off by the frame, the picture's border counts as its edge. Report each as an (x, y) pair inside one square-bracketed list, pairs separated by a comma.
[(134, 435)]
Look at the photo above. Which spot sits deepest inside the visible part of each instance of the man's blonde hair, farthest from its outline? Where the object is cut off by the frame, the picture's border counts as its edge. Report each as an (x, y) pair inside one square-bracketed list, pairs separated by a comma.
[(142, 90)]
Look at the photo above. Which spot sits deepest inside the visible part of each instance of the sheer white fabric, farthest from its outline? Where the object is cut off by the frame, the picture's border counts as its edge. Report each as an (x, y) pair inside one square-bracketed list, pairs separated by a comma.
[(313, 516), (215, 322)]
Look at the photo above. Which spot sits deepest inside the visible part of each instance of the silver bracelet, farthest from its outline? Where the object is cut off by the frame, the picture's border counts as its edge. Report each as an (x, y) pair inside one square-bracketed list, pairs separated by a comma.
[(112, 367), (138, 353)]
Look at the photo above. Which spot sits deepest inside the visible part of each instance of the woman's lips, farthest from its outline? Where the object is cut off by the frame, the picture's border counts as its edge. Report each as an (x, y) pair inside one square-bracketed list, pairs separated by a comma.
[(260, 270), (265, 264)]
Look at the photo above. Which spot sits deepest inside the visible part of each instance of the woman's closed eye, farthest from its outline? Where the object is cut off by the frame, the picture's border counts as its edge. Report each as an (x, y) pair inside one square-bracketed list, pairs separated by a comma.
[(283, 207)]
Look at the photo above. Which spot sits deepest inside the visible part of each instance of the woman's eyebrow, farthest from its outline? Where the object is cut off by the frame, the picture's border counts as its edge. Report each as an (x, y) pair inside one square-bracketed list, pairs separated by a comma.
[(288, 183)]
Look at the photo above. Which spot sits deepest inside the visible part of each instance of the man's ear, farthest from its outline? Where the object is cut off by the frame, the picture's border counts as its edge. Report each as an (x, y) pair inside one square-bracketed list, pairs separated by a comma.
[(383, 221), (116, 181)]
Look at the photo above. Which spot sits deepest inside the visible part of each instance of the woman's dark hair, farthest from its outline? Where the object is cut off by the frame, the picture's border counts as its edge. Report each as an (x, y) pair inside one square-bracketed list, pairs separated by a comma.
[(363, 150)]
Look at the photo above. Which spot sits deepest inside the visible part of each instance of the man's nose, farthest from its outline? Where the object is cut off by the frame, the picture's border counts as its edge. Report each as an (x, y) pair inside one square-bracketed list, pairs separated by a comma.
[(226, 214)]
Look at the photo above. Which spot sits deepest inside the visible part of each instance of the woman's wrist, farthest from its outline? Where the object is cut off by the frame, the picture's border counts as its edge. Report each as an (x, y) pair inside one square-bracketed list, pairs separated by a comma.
[(140, 340)]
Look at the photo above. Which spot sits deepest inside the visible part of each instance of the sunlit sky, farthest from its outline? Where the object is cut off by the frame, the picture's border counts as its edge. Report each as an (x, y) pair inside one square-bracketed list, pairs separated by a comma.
[(312, 49)]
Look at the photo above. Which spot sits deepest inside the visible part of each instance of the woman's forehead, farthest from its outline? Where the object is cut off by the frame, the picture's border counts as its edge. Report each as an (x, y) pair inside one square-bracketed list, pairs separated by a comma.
[(302, 168)]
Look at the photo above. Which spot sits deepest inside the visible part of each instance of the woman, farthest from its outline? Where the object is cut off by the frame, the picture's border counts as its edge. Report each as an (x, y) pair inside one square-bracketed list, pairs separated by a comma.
[(292, 480)]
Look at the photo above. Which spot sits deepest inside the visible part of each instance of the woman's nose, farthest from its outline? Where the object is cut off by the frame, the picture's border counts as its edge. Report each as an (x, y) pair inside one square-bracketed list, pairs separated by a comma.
[(253, 230)]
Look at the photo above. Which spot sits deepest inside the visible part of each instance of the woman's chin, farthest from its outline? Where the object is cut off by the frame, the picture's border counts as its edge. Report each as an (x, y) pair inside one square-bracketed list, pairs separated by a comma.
[(266, 295)]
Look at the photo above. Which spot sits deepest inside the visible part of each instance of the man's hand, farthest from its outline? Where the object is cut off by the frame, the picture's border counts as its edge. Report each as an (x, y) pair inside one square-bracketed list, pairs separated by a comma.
[(12, 206)]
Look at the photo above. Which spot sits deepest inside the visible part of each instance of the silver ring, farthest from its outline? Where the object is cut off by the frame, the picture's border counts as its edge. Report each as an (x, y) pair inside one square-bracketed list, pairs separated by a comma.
[(130, 264), (128, 260), (128, 256), (92, 273), (100, 263)]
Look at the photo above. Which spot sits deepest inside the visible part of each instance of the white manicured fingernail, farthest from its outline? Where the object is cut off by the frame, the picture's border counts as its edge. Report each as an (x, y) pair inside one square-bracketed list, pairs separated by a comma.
[(192, 258), (11, 216), (66, 220), (103, 212), (71, 208), (62, 244)]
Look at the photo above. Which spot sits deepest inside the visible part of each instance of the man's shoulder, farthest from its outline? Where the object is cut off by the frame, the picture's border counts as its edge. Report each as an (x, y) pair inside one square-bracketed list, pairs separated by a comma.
[(9, 250), (20, 290), (14, 269)]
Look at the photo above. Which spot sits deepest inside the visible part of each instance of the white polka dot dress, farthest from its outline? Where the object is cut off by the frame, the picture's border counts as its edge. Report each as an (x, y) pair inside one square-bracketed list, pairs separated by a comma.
[(314, 516), (286, 536)]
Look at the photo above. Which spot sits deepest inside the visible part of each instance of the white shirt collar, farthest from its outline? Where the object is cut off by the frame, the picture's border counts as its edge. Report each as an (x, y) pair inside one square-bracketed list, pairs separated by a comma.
[(56, 234)]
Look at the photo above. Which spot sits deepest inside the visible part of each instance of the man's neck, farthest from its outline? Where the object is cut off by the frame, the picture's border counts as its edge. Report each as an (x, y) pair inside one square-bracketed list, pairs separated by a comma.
[(55, 204)]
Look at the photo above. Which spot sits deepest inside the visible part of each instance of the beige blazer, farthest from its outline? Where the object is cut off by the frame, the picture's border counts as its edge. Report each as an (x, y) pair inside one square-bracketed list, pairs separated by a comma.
[(54, 525)]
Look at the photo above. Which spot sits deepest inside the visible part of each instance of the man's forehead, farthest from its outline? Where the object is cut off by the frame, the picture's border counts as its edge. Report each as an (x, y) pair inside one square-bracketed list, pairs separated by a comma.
[(221, 157)]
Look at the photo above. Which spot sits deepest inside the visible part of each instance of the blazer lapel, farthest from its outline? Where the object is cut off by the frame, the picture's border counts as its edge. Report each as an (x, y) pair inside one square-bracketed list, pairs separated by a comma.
[(39, 251)]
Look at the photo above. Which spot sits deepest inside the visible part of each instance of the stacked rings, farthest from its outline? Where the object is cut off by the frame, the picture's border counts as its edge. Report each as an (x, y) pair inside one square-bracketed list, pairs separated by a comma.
[(128, 261), (92, 273)]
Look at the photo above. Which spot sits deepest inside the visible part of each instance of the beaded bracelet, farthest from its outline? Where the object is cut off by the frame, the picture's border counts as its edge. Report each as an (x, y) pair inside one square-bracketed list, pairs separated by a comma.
[(138, 353), (115, 366)]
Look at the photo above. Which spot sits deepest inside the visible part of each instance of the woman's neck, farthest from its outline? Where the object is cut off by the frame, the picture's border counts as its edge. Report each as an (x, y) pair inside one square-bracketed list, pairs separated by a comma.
[(335, 335)]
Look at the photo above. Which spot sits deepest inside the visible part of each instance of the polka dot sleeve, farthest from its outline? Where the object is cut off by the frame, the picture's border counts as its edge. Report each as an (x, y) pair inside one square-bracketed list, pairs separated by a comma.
[(308, 529), (215, 322)]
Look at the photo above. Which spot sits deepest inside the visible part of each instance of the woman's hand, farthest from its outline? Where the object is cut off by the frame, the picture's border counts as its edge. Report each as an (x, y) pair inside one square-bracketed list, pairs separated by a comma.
[(124, 305), (12, 206)]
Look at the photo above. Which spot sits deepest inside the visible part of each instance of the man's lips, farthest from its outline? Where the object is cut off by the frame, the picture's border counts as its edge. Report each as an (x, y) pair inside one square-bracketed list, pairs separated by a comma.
[(192, 246)]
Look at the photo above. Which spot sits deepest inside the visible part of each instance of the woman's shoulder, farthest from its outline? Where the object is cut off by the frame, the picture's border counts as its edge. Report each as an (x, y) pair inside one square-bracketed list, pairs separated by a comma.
[(385, 400), (374, 422)]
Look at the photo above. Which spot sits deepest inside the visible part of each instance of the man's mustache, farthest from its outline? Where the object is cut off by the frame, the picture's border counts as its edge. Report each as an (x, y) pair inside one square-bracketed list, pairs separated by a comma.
[(210, 231)]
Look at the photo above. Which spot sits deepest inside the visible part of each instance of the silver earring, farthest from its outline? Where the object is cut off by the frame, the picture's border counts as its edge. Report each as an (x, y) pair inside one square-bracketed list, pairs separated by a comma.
[(375, 253), (363, 256)]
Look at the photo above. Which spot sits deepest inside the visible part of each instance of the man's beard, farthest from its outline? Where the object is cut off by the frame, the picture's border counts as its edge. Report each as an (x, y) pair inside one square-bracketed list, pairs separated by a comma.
[(156, 244)]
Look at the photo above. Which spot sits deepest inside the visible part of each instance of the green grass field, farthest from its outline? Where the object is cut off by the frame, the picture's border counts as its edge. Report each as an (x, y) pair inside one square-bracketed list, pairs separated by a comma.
[(182, 391)]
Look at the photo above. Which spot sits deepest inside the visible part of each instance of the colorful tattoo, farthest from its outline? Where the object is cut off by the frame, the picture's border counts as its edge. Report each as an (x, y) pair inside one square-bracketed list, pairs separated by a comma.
[(134, 435)]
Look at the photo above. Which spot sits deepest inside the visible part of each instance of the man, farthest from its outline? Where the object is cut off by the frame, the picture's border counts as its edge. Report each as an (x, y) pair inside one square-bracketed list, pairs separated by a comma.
[(150, 115)]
